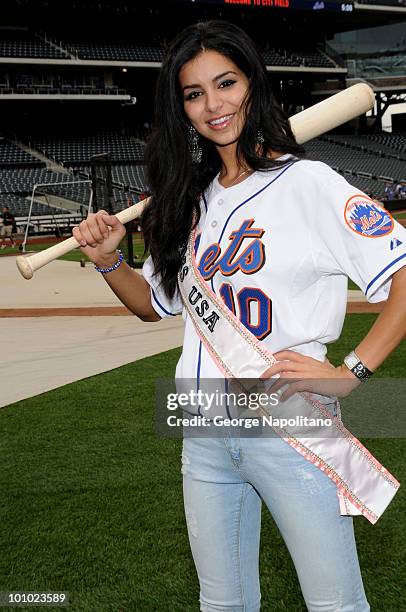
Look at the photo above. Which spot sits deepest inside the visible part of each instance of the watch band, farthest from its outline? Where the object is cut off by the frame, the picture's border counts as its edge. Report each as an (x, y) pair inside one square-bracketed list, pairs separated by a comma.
[(359, 369)]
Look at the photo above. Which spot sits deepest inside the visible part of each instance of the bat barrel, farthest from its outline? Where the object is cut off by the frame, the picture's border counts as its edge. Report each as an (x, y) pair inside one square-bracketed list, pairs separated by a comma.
[(332, 112)]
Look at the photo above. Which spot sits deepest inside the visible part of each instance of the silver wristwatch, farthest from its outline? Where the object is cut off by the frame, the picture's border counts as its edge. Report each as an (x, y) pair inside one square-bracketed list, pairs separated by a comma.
[(359, 369)]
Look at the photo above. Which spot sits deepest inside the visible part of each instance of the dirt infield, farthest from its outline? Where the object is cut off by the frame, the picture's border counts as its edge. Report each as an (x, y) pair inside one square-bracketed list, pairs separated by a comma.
[(118, 311), (364, 307), (107, 311)]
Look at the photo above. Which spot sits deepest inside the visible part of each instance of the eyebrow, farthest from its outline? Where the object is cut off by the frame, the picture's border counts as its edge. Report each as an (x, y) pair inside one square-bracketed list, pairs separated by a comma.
[(216, 78)]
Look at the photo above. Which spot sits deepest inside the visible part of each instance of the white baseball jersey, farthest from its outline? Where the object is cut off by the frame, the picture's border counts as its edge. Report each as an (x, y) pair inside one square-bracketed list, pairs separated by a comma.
[(278, 249)]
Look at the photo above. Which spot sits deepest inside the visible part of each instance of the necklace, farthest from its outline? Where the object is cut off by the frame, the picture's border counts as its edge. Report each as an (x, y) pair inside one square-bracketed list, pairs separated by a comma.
[(237, 177)]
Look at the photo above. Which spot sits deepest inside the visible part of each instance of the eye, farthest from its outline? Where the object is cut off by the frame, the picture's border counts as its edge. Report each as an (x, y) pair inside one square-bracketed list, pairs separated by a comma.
[(227, 83), (192, 95)]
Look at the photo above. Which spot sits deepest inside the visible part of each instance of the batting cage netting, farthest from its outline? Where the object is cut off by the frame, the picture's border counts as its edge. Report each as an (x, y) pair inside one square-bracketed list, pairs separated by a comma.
[(106, 196)]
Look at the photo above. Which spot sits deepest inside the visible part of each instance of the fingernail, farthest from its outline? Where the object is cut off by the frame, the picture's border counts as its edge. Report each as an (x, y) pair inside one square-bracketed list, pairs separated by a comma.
[(83, 243)]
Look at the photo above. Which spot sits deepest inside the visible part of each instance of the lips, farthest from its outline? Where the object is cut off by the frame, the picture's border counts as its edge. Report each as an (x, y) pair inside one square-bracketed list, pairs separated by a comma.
[(220, 122)]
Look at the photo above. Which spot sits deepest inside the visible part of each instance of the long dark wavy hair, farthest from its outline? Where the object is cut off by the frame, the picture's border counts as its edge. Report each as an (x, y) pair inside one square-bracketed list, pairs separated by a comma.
[(176, 182)]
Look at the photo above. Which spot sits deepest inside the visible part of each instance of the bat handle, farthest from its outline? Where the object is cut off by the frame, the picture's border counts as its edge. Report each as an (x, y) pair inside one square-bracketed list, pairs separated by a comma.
[(28, 264), (23, 264)]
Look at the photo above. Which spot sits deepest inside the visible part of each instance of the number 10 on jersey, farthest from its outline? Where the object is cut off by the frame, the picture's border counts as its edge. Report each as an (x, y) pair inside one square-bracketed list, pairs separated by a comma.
[(251, 306)]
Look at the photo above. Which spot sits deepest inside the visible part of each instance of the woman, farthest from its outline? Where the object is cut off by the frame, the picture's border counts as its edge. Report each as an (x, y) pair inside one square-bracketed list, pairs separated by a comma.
[(274, 238)]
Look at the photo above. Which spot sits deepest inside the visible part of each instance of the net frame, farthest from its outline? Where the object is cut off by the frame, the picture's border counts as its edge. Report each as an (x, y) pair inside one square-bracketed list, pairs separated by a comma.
[(102, 182), (36, 187)]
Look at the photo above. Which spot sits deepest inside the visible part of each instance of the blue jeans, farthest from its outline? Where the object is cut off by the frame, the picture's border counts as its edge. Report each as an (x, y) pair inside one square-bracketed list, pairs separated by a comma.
[(225, 480)]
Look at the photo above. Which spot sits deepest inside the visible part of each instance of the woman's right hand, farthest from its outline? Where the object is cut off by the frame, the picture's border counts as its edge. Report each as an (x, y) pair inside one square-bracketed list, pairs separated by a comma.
[(99, 236)]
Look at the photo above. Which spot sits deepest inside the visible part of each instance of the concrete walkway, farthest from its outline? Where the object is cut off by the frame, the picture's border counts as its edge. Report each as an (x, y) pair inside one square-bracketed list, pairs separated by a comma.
[(43, 353), (59, 284)]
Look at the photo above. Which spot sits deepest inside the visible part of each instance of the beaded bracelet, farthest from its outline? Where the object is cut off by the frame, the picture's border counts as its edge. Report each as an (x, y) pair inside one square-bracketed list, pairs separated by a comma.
[(113, 267)]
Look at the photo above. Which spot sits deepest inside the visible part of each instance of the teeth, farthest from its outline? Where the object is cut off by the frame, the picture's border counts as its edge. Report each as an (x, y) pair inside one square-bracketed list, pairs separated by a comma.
[(221, 120)]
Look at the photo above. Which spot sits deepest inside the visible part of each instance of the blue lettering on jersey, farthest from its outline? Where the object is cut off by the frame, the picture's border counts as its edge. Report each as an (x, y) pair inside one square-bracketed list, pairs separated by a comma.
[(251, 305), (249, 261), (197, 242)]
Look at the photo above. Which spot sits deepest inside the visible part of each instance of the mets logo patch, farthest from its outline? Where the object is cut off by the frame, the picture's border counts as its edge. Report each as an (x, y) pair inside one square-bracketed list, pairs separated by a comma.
[(367, 218)]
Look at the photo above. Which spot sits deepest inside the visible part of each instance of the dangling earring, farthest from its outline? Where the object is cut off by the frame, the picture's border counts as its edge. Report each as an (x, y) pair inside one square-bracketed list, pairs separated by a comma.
[(194, 146), (260, 137)]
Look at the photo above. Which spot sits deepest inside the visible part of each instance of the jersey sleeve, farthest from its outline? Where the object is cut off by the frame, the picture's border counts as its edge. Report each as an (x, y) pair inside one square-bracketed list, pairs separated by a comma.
[(162, 305), (356, 236)]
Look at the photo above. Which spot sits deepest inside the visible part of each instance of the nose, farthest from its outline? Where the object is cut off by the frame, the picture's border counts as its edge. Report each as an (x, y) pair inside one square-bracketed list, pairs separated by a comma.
[(213, 101)]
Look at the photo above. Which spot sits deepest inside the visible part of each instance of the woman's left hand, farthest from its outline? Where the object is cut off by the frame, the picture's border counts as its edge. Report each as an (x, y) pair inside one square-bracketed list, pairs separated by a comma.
[(302, 373)]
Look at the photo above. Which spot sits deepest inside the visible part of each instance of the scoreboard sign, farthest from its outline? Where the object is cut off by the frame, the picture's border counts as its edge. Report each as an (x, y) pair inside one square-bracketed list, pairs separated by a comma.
[(309, 5)]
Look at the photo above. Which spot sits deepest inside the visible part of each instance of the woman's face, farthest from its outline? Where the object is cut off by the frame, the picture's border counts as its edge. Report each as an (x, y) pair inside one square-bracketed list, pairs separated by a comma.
[(213, 90)]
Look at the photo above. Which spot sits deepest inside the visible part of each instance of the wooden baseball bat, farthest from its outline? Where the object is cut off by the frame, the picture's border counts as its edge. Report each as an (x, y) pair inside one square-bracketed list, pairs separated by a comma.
[(308, 124)]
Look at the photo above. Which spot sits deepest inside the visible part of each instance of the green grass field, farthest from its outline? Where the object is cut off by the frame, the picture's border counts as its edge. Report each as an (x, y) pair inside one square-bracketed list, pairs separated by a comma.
[(91, 500)]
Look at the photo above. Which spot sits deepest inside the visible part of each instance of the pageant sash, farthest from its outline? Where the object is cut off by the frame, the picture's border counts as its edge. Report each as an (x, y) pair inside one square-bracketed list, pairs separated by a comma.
[(364, 486)]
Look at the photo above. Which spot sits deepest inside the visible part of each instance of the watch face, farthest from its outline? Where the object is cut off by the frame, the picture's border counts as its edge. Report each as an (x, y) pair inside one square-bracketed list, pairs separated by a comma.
[(351, 361)]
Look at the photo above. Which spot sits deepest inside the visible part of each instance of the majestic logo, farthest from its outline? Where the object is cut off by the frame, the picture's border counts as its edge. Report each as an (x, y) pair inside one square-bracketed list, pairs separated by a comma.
[(394, 243), (367, 218)]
